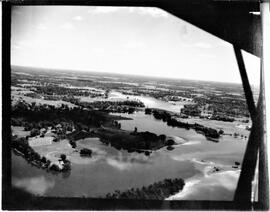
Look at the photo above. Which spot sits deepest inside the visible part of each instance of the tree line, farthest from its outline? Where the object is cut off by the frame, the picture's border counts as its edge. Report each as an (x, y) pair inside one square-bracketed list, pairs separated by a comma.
[(158, 190)]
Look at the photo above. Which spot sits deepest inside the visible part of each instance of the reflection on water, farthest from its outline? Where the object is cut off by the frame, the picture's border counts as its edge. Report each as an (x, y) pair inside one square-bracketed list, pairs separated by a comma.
[(110, 172), (218, 186), (35, 185), (109, 169)]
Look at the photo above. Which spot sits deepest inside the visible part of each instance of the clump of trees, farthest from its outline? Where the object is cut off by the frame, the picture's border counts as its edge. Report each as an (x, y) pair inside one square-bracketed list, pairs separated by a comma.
[(34, 132), (73, 144), (66, 162), (21, 147), (86, 152), (191, 110), (133, 141), (159, 190), (170, 148), (148, 111), (207, 131), (222, 118)]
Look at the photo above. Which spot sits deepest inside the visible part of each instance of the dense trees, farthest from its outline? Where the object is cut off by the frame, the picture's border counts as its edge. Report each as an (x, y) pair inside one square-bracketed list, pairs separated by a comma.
[(73, 144), (159, 190), (63, 157), (224, 105), (222, 118), (134, 141), (86, 152), (60, 120), (127, 106), (207, 131), (55, 92), (191, 110), (45, 115), (34, 132), (148, 111)]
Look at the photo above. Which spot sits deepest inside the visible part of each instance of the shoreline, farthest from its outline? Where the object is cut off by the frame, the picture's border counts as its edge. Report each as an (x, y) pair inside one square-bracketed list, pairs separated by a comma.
[(209, 181)]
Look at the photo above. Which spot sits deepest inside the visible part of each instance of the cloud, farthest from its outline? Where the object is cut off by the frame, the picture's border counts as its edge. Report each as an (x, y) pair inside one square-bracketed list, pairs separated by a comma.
[(33, 44), (224, 43), (196, 45), (207, 56), (67, 26), (203, 45), (120, 165), (124, 162), (41, 27), (23, 44), (14, 46), (103, 9), (78, 18), (98, 50), (133, 45), (153, 11), (34, 185)]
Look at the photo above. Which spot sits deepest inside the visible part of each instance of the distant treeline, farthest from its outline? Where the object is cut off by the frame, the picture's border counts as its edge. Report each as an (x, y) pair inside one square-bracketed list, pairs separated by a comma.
[(224, 104), (53, 89), (159, 190), (127, 106), (51, 115)]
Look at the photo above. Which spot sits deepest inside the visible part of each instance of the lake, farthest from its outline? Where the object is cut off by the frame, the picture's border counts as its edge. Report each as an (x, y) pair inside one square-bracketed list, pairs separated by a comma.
[(147, 100), (109, 169)]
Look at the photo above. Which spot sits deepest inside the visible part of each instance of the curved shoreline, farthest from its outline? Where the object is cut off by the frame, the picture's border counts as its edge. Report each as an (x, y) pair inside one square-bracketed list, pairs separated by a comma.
[(213, 177)]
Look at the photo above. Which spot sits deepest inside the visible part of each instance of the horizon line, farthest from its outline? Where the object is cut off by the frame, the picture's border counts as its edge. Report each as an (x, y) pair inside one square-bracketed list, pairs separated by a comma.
[(128, 74)]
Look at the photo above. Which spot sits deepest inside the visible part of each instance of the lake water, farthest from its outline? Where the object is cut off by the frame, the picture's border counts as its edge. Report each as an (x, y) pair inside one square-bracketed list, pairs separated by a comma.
[(147, 100), (109, 169), (106, 172)]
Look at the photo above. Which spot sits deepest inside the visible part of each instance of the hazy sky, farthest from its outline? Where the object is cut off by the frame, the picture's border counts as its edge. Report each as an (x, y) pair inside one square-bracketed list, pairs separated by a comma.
[(142, 41)]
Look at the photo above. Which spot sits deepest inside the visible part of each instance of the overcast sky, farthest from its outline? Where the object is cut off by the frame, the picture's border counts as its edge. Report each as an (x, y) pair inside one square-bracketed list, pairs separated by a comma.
[(141, 41)]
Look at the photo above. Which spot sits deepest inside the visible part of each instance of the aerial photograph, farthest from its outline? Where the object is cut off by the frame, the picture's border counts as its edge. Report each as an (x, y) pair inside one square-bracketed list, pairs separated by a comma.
[(125, 103)]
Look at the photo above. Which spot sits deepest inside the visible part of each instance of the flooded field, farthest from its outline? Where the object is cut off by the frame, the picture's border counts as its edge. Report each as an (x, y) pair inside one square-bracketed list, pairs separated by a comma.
[(147, 100), (210, 168), (110, 169)]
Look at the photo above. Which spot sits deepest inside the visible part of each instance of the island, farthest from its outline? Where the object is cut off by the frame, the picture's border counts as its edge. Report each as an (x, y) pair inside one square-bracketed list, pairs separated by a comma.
[(171, 120)]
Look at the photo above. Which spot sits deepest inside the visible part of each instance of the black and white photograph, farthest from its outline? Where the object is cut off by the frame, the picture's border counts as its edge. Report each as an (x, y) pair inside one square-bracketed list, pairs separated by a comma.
[(131, 105)]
